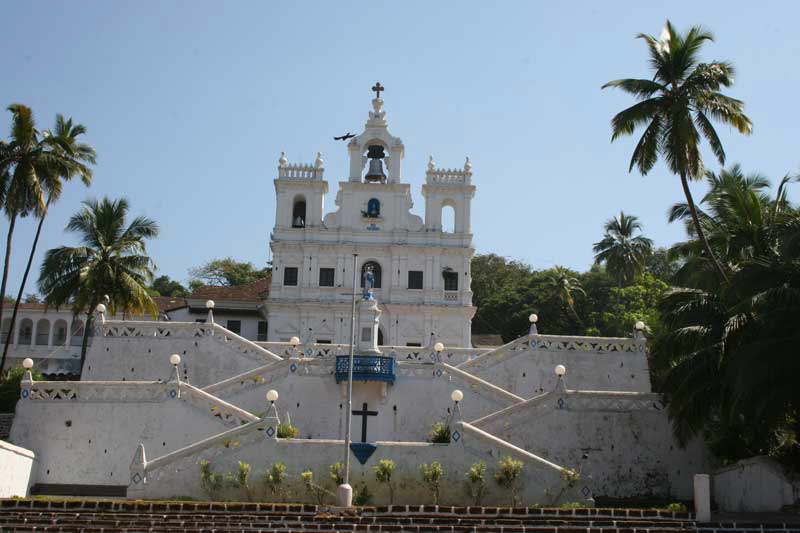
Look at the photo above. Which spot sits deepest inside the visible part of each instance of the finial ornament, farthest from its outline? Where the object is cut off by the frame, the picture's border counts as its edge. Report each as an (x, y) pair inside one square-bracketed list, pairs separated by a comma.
[(468, 165), (377, 88), (282, 162), (319, 162), (431, 163)]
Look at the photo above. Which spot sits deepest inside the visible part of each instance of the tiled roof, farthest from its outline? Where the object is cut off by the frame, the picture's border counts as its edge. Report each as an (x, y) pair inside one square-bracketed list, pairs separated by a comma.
[(486, 340), (169, 303), (256, 292)]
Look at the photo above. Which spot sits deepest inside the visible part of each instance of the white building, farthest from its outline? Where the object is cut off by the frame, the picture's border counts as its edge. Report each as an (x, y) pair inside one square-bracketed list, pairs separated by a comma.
[(422, 272)]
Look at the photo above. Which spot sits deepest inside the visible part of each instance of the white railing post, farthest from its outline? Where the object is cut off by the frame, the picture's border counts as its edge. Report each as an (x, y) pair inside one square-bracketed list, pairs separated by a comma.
[(702, 497)]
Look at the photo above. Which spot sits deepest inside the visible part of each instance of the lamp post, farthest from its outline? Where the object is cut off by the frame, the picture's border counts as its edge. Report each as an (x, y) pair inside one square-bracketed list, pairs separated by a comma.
[(638, 330), (533, 319), (438, 348), (560, 370), (210, 306), (345, 492), (175, 360), (456, 396), (294, 341)]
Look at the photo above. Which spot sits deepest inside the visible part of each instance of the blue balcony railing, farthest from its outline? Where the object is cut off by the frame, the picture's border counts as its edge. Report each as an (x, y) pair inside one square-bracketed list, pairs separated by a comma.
[(365, 368)]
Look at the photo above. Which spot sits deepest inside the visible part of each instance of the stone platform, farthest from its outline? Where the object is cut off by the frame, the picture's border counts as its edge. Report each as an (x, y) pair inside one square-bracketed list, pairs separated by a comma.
[(107, 516)]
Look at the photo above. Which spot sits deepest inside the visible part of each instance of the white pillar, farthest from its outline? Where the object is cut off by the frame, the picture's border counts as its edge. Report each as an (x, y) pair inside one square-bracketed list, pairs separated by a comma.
[(702, 497)]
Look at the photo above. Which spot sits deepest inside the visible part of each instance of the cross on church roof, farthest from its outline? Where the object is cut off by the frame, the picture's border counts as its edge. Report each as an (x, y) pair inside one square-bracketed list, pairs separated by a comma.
[(377, 88)]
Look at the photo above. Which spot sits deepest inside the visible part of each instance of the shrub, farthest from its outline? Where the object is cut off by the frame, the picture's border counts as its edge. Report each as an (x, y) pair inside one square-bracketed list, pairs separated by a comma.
[(677, 507), (9, 388), (571, 505), (476, 482), (315, 491), (439, 433), (241, 479), (361, 495), (432, 477), (274, 478), (211, 482), (337, 473), (383, 473), (507, 476), (287, 431)]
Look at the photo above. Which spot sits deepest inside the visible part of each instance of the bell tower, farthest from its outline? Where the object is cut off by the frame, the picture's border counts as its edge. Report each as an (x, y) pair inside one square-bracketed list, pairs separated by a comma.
[(373, 145)]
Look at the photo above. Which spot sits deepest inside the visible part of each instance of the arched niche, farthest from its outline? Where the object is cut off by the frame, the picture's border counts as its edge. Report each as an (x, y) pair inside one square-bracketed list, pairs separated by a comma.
[(376, 272), (448, 216), (25, 331), (299, 211), (59, 332), (42, 332)]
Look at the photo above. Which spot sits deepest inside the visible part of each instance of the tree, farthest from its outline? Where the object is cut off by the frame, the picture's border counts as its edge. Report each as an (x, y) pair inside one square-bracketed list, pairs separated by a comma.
[(33, 166), (227, 272), (677, 105), (561, 284), (623, 253), (112, 262), (164, 286), (68, 157), (728, 351)]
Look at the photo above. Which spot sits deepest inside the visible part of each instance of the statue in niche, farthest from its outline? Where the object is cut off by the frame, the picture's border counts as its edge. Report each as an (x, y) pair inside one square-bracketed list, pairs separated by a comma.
[(374, 208), (368, 279)]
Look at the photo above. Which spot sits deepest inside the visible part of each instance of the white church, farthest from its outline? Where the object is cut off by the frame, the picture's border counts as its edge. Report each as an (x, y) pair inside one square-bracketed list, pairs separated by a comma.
[(214, 381)]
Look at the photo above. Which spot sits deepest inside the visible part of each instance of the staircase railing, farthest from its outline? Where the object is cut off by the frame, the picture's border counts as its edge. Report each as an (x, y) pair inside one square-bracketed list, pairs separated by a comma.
[(482, 383), (221, 409), (525, 455), (185, 330)]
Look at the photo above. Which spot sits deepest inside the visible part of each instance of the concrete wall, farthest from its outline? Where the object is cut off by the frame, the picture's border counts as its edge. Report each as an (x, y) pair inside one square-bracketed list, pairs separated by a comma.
[(17, 467), (757, 484), (539, 484), (92, 442)]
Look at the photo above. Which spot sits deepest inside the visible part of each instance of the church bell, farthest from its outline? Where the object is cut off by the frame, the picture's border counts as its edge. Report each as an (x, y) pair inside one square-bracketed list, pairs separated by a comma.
[(375, 172)]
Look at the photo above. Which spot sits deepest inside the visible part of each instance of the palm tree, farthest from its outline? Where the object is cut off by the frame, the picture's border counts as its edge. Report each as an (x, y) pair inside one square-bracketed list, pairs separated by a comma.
[(561, 284), (677, 106), (68, 163), (112, 262), (623, 254)]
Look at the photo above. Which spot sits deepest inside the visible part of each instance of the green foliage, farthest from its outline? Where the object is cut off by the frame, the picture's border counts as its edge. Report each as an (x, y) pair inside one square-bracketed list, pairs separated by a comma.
[(623, 253), (476, 482), (9, 388), (164, 286), (212, 482), (274, 479), (432, 477), (361, 495), (336, 472), (241, 479), (572, 505), (624, 306), (439, 433), (287, 431), (226, 272), (317, 492), (507, 476), (383, 474), (677, 508)]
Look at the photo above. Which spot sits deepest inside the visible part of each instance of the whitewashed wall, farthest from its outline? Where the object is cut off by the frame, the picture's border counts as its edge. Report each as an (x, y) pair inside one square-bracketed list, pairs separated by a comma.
[(17, 466), (758, 484)]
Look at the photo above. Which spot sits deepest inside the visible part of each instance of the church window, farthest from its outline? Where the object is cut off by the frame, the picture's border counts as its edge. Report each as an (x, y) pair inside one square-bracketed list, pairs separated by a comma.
[(326, 277), (415, 279), (235, 326), (290, 276), (373, 208), (448, 219), (42, 332), (299, 213), (450, 281), (262, 331), (414, 344), (25, 331), (376, 272), (323, 341), (366, 334), (380, 337)]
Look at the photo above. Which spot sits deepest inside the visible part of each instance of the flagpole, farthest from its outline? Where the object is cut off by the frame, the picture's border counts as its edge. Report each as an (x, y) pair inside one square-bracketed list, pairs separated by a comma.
[(346, 491)]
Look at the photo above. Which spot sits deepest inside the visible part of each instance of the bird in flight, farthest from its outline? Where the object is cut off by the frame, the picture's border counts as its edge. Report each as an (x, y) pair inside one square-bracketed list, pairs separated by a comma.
[(344, 137)]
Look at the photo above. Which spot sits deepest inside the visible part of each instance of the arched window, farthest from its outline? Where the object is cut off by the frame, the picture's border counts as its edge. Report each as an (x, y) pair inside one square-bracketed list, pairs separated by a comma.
[(448, 218), (380, 336), (376, 272), (25, 331), (42, 332), (374, 208), (299, 213), (60, 333), (76, 329), (4, 331)]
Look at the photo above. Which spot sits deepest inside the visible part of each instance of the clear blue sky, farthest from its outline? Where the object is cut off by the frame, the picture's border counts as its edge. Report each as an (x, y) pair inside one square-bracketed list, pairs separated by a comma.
[(189, 105)]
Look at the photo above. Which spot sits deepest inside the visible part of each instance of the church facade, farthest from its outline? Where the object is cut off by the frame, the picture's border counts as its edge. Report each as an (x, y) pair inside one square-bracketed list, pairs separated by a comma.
[(421, 272)]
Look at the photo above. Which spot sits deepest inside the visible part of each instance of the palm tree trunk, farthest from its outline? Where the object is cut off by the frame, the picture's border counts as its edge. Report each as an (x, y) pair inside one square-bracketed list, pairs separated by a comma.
[(699, 229), (21, 289), (5, 281)]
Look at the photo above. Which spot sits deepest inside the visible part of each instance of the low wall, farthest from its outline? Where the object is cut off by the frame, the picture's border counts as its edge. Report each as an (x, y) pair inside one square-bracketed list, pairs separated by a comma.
[(539, 484), (16, 469), (753, 485)]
